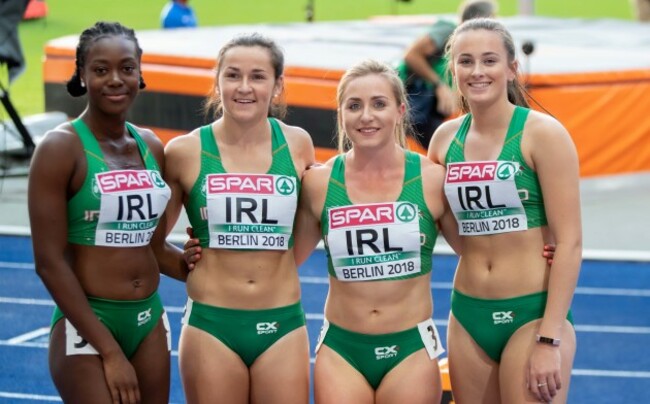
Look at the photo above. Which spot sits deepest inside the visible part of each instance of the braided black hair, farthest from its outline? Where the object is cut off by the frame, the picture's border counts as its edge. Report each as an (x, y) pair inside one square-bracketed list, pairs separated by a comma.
[(88, 37)]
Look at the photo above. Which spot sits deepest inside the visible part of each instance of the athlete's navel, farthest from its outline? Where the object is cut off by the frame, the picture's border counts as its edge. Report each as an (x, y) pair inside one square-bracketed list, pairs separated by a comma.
[(137, 283)]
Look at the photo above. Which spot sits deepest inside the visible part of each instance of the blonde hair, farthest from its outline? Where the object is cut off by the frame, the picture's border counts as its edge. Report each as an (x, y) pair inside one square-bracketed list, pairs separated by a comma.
[(362, 69), (515, 89)]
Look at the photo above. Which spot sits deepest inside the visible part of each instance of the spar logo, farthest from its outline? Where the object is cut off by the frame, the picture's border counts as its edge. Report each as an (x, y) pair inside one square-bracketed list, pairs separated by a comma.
[(374, 214), (285, 185), (468, 172), (481, 171), (406, 212), (260, 184), (506, 170), (128, 180)]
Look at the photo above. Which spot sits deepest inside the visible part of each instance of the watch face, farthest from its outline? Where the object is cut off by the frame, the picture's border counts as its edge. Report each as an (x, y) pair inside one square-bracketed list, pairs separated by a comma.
[(547, 340)]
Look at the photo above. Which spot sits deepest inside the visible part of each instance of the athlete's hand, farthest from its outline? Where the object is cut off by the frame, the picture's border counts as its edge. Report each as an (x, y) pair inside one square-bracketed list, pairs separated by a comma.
[(121, 379), (549, 253), (446, 100), (191, 249), (544, 372)]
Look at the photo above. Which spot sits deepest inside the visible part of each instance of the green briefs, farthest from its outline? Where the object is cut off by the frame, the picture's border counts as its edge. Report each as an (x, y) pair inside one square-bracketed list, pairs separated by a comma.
[(130, 321), (248, 333), (374, 355), (491, 323)]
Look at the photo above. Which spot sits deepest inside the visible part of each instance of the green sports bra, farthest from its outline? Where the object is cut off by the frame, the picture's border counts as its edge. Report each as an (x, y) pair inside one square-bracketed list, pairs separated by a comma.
[(378, 241), (116, 208), (244, 211), (491, 197)]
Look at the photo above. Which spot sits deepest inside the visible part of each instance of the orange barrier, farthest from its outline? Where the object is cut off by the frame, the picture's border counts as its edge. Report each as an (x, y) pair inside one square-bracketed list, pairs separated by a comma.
[(447, 397), (606, 113)]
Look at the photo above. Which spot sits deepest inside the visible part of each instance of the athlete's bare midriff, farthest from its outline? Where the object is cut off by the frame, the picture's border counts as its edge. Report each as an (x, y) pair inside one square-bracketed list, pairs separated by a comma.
[(115, 273), (503, 265), (245, 279), (379, 307)]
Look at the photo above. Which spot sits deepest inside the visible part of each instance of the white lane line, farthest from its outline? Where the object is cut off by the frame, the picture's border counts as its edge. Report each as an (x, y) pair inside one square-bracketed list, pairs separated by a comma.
[(612, 329), (19, 339), (17, 265), (581, 290), (25, 344), (610, 373), (34, 397), (26, 301)]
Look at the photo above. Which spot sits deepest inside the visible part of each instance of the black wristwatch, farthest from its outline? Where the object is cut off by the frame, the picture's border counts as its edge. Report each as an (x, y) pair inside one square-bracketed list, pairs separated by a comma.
[(547, 340)]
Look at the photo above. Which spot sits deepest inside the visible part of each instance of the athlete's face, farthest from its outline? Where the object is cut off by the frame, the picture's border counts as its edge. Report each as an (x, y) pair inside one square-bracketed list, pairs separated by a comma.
[(370, 112), (246, 82), (112, 74), (480, 66)]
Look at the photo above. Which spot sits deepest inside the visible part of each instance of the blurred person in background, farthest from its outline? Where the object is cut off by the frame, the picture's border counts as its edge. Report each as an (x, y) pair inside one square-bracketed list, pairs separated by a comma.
[(641, 9), (423, 72), (178, 14)]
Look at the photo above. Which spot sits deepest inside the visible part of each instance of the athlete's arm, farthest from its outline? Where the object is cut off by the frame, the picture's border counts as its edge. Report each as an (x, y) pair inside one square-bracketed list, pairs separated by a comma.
[(417, 55), (182, 162), (301, 146), (553, 156), (307, 232), (449, 229), (169, 257), (48, 193)]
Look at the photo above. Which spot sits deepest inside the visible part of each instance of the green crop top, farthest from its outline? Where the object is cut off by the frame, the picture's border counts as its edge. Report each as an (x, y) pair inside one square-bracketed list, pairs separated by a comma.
[(244, 211), (491, 197), (378, 241), (116, 208)]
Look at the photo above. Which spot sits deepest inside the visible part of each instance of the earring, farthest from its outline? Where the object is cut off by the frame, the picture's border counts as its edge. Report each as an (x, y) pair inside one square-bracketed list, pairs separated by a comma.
[(83, 84)]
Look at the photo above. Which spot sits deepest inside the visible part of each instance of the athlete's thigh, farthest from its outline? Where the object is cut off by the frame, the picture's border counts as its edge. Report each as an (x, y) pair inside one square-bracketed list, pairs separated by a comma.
[(337, 382), (415, 380), (151, 363), (78, 378), (281, 373), (514, 363), (210, 371), (474, 376)]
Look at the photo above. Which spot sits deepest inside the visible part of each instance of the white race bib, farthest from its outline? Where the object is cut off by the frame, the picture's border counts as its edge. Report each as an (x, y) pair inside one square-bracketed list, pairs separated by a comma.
[(374, 241), (131, 203), (484, 198), (251, 211)]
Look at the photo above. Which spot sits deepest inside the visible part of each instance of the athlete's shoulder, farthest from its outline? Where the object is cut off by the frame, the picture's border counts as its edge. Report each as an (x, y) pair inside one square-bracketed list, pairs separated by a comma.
[(61, 144), (431, 172), (149, 137), (543, 127), (300, 143), (293, 131), (442, 138), (318, 175), (62, 136), (185, 142)]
